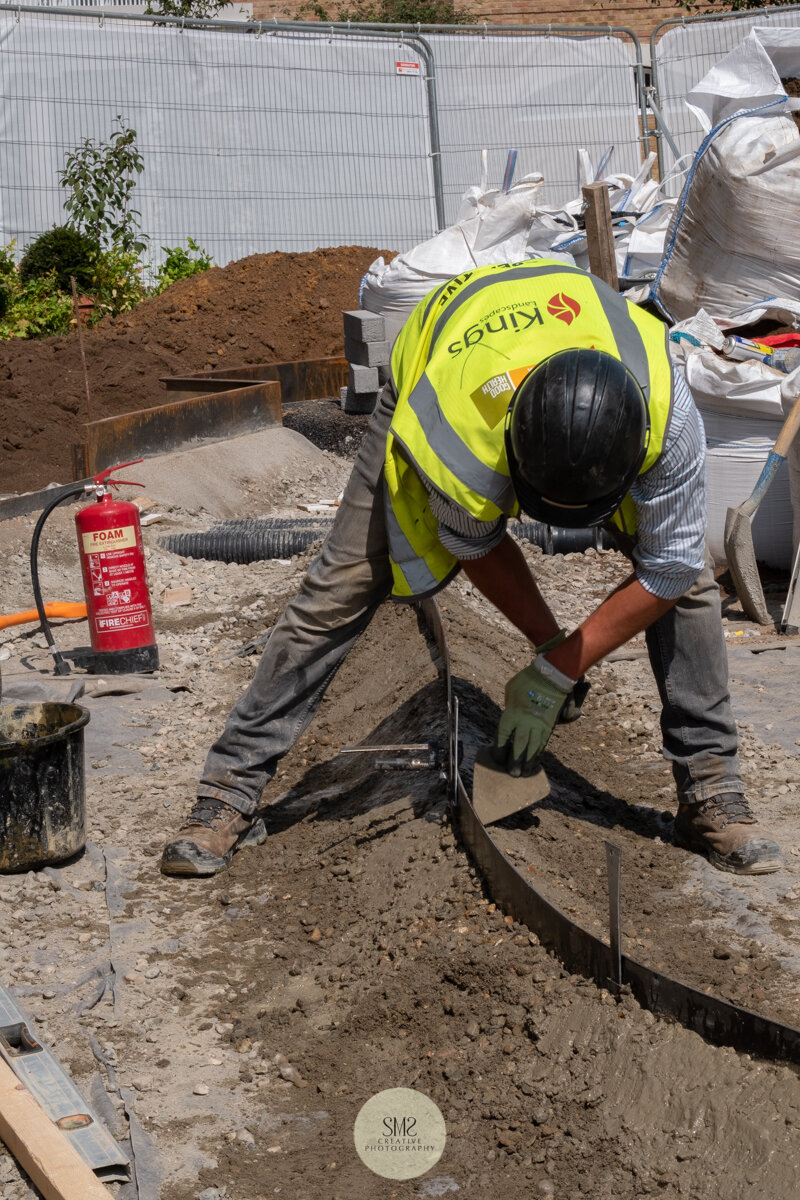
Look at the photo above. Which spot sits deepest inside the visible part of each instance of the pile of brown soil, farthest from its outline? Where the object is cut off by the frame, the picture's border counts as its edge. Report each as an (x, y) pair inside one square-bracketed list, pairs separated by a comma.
[(266, 308)]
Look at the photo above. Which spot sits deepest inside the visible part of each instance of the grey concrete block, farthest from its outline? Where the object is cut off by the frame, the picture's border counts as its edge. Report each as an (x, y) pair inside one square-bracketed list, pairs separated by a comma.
[(363, 326), (359, 403), (367, 354), (363, 379)]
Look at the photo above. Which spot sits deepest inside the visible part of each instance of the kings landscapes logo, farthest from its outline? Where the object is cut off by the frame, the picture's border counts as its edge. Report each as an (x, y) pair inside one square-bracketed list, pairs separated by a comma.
[(563, 307), (399, 1134), (509, 321)]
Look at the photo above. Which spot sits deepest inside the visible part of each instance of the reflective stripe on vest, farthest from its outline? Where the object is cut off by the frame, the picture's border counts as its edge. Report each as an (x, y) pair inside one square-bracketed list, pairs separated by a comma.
[(420, 563), (456, 364), (450, 448)]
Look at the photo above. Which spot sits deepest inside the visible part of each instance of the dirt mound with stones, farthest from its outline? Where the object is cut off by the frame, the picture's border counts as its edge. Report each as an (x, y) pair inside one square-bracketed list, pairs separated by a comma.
[(265, 308)]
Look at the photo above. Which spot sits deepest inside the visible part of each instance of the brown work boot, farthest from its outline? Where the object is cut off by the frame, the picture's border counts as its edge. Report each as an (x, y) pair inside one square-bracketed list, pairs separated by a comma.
[(207, 840), (724, 828)]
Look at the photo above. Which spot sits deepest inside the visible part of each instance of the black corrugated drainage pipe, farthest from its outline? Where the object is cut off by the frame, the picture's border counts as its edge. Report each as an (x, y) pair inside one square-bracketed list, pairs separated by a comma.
[(246, 540)]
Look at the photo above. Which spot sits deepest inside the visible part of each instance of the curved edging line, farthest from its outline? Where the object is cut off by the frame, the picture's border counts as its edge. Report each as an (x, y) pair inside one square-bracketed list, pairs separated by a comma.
[(580, 951)]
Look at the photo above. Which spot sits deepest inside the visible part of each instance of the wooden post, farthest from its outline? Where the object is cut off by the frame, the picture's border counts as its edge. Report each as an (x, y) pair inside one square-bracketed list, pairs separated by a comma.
[(79, 324), (40, 1148), (600, 234)]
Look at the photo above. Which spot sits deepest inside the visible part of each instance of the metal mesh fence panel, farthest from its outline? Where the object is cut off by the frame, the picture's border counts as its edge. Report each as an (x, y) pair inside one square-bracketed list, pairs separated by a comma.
[(290, 137), (250, 142), (542, 93), (681, 54)]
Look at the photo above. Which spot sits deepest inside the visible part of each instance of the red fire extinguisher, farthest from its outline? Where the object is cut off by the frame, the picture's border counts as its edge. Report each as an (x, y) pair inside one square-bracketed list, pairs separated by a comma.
[(115, 580)]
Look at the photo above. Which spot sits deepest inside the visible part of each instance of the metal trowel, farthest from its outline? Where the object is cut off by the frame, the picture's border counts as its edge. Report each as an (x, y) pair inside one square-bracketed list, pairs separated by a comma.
[(496, 794)]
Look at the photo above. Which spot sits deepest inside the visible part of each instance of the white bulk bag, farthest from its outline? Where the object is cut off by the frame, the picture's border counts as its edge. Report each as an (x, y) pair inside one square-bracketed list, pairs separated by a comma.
[(741, 407), (496, 227), (492, 227), (735, 233)]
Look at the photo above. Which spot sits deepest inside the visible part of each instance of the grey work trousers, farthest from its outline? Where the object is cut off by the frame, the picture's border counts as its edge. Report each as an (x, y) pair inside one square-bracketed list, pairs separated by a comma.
[(352, 576)]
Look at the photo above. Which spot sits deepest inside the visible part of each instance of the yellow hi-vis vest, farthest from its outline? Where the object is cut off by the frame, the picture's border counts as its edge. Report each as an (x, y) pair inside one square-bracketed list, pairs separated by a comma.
[(456, 364)]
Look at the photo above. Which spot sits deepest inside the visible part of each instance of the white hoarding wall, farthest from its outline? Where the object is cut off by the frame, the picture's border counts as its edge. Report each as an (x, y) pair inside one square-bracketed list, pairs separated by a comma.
[(250, 143), (545, 96), (286, 139)]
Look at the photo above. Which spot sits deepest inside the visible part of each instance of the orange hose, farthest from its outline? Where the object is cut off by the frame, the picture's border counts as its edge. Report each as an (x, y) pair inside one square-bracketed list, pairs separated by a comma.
[(56, 608)]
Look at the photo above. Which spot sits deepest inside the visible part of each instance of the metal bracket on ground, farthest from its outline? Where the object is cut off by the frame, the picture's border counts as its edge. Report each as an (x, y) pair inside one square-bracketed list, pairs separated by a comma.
[(177, 425), (421, 756), (30, 502)]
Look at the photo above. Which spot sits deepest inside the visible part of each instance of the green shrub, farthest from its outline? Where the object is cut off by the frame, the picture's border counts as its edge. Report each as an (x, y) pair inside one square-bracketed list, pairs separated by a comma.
[(37, 309), (5, 298), (180, 264), (118, 285), (62, 251), (398, 12), (8, 268), (199, 9)]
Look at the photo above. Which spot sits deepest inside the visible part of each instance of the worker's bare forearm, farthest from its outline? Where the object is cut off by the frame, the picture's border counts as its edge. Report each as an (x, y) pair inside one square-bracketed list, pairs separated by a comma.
[(504, 578), (627, 611)]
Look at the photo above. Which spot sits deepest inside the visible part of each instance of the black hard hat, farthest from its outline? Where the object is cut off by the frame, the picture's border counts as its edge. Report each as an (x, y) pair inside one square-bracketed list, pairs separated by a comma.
[(577, 430)]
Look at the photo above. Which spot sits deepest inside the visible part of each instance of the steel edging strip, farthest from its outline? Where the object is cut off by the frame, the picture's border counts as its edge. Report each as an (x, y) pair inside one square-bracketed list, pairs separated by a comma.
[(582, 952)]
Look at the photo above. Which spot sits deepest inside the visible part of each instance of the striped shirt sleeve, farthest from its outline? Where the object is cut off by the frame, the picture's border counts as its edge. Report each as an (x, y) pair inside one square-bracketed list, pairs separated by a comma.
[(459, 532), (670, 502)]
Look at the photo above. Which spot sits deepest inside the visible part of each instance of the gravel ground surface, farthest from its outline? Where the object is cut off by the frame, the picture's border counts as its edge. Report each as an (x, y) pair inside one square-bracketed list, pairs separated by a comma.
[(247, 1018)]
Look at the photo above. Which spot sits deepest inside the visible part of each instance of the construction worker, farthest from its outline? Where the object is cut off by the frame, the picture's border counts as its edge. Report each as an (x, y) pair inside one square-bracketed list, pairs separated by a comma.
[(530, 386)]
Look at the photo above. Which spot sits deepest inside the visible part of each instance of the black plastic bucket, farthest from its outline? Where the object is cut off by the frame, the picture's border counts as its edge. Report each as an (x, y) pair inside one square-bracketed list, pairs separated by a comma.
[(42, 785)]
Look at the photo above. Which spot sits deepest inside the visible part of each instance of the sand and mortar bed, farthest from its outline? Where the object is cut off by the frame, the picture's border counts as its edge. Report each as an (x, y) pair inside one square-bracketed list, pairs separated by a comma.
[(359, 944)]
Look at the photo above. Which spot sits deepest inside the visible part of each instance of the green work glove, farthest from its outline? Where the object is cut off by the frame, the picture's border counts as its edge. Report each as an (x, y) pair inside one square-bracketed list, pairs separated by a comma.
[(534, 700), (574, 706)]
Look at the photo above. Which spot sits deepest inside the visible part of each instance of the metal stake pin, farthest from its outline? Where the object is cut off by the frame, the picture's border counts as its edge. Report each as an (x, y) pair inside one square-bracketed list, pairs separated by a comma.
[(614, 872)]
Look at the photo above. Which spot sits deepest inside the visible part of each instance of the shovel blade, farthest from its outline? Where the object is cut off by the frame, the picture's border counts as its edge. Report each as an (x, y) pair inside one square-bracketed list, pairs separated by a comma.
[(496, 794), (741, 556)]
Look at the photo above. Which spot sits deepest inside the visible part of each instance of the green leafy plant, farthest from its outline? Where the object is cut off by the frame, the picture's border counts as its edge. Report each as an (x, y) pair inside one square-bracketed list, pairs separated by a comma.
[(118, 285), (201, 10), (393, 12), (181, 264), (100, 179), (62, 251), (8, 266), (8, 276), (36, 309)]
